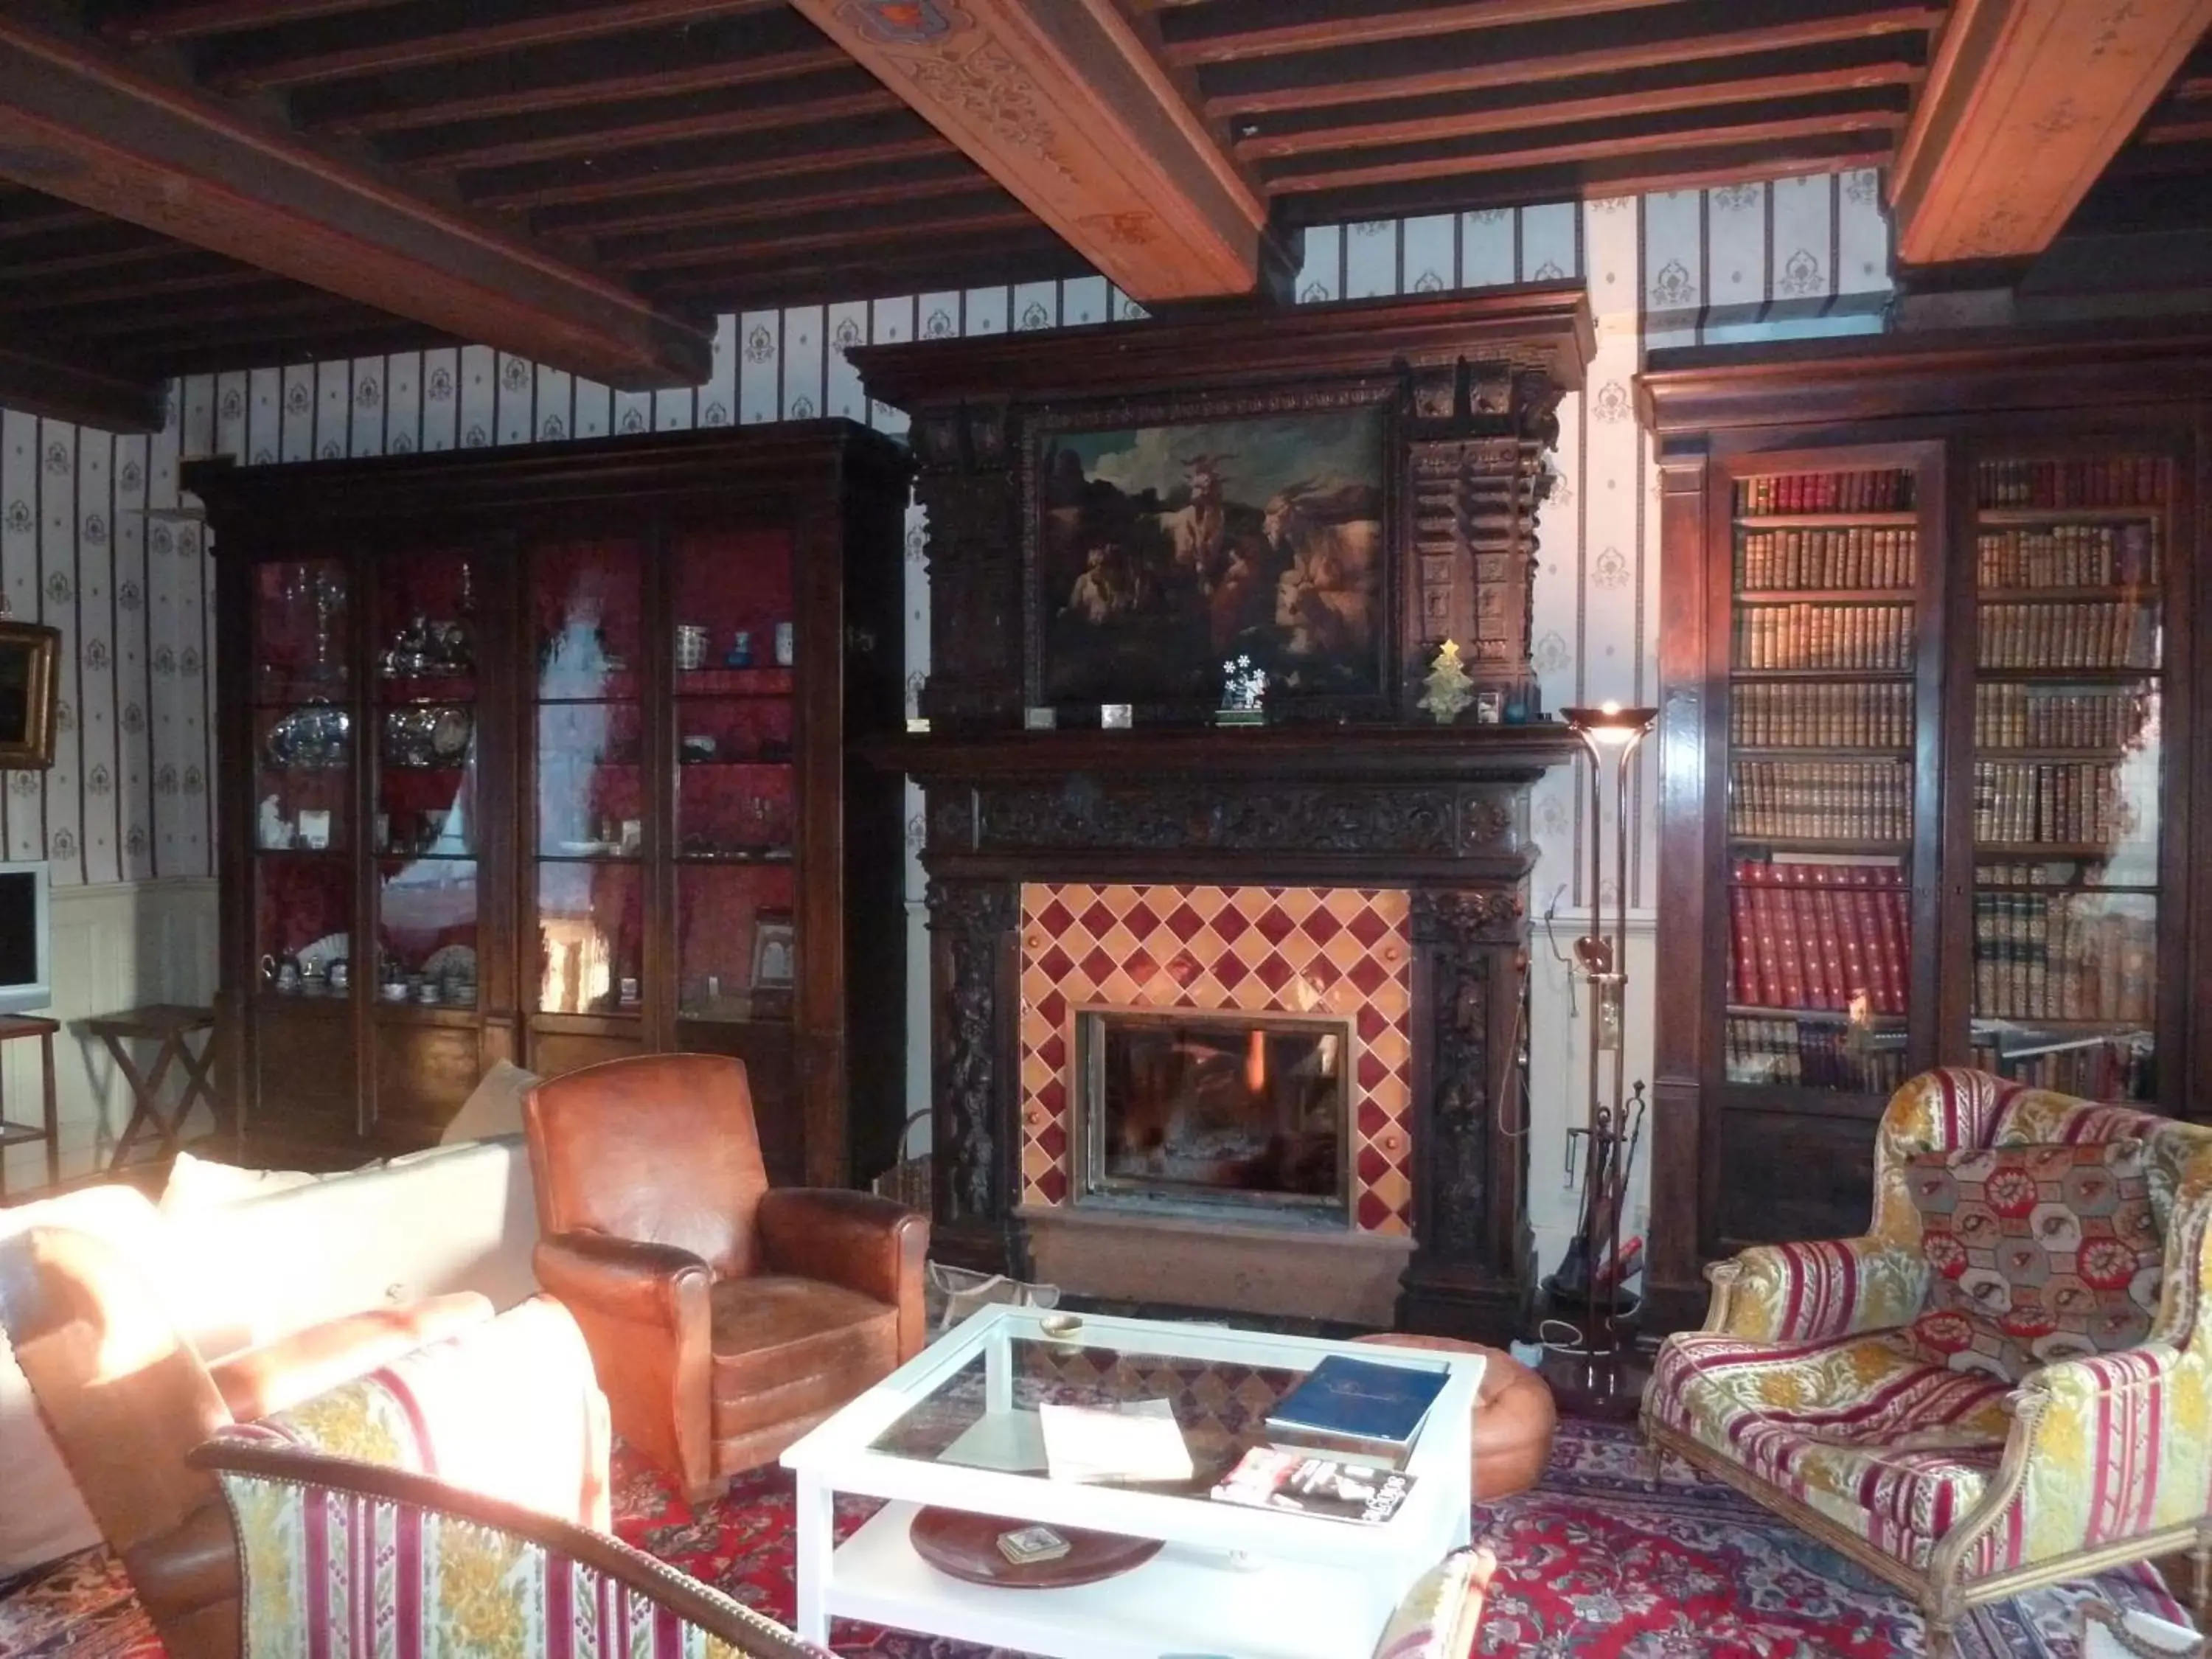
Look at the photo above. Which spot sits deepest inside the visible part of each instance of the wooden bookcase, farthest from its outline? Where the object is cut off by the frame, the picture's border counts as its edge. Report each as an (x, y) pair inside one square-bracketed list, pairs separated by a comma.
[(548, 745), (1927, 768)]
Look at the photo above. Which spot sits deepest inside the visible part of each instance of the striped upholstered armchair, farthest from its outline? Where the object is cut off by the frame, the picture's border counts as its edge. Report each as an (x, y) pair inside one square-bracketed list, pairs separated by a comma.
[(2004, 1382), (377, 1562)]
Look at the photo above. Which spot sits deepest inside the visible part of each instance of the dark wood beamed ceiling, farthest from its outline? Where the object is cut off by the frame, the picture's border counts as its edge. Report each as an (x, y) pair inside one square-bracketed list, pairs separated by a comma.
[(588, 181), (2025, 104)]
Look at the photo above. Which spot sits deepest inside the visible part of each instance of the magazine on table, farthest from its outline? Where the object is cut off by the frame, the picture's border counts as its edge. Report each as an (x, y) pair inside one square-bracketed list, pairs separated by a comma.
[(1301, 1483), (1359, 1402), (1138, 1445)]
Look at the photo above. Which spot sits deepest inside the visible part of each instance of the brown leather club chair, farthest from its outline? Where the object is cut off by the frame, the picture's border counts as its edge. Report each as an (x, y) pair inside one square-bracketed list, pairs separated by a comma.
[(726, 1318), (127, 1398)]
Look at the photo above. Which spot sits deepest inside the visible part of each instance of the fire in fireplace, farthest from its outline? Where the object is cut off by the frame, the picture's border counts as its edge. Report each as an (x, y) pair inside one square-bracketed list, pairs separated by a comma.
[(1215, 1108)]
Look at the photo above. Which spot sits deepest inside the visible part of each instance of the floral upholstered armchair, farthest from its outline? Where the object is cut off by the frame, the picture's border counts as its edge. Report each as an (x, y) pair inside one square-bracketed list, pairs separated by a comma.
[(2004, 1382)]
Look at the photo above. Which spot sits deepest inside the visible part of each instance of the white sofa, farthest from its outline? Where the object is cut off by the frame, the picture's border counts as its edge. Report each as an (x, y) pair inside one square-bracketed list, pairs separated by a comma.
[(242, 1270)]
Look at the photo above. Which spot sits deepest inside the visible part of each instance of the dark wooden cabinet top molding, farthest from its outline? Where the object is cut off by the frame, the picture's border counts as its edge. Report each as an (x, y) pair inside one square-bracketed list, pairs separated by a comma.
[(1685, 395), (1542, 325), (1495, 753)]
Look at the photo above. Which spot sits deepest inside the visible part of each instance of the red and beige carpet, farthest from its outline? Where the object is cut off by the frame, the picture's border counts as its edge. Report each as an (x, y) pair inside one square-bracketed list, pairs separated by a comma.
[(1590, 1563)]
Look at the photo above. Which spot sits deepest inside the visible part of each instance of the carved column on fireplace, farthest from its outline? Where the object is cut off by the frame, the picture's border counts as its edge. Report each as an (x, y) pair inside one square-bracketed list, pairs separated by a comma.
[(1472, 1269), (977, 1135)]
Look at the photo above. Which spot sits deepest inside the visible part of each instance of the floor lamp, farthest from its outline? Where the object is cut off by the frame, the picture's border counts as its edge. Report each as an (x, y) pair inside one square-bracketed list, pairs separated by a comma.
[(1588, 1311)]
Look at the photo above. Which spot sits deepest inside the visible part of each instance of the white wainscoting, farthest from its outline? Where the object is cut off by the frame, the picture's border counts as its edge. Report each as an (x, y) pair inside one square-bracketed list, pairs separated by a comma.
[(116, 946)]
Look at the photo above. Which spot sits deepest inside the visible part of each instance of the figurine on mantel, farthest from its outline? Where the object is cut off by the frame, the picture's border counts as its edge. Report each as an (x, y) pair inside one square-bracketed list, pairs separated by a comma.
[(1243, 694), (1450, 690), (275, 833)]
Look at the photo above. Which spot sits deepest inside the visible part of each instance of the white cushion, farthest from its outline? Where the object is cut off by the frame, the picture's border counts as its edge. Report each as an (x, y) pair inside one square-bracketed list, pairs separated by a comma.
[(494, 1107), (41, 1517), (447, 1218), (198, 1183)]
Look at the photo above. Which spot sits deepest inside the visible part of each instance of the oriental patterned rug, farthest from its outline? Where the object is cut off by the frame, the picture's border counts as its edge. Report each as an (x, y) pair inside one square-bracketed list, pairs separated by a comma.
[(1591, 1564)]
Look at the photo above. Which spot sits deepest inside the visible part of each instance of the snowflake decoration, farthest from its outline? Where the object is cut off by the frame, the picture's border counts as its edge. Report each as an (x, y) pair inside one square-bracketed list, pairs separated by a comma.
[(1243, 688)]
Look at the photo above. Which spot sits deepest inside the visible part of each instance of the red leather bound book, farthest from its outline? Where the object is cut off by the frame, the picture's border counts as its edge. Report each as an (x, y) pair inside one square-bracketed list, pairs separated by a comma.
[(1867, 923), (1800, 956), (1891, 900), (1858, 980), (1743, 934), (1766, 909)]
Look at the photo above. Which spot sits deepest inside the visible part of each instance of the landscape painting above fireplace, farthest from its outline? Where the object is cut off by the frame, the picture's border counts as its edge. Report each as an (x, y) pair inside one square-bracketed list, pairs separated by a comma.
[(1165, 550)]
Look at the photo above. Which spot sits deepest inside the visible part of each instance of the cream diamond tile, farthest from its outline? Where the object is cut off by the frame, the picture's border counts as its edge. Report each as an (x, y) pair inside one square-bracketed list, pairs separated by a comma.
[(1300, 951), (1119, 989), (1208, 901), (1298, 903), (1344, 952), (1391, 1047), (1120, 942), (1344, 903), (1251, 902)]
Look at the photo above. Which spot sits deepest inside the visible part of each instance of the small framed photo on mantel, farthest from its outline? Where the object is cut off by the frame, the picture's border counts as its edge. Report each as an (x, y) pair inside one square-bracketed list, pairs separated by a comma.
[(30, 659)]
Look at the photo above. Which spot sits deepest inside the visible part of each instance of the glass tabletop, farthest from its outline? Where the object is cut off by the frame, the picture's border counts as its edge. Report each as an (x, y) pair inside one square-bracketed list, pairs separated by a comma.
[(1219, 1386)]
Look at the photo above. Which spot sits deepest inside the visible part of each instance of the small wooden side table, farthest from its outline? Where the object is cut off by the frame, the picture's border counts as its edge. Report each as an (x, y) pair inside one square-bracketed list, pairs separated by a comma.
[(18, 1134), (172, 1025)]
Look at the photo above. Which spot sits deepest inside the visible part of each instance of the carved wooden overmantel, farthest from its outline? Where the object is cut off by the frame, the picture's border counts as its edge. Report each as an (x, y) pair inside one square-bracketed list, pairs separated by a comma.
[(1375, 795), (1471, 384)]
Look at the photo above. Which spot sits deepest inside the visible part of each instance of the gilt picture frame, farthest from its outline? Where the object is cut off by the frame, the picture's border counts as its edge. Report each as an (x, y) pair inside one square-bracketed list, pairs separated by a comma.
[(30, 663), (1166, 536)]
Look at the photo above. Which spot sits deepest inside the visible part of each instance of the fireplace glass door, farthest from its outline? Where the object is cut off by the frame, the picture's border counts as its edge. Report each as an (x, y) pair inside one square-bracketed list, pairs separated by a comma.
[(1212, 1108)]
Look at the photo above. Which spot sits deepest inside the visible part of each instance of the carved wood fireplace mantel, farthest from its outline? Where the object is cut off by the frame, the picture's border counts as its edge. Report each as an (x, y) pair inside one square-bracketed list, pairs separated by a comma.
[(1351, 862)]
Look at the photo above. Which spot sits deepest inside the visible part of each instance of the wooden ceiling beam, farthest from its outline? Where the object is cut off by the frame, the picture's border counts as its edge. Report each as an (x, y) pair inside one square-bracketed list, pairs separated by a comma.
[(190, 356), (1718, 86), (1233, 33), (191, 273), (2025, 104), (858, 234), (1067, 106), (1034, 255), (33, 383), (1757, 125), (185, 20), (1733, 29), (77, 121), (739, 52), (949, 176), (280, 301), (506, 141), (410, 34), (1689, 166), (540, 184)]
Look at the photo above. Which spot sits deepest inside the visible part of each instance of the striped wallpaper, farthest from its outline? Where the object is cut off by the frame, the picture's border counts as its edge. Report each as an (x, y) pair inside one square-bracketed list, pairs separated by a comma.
[(92, 538)]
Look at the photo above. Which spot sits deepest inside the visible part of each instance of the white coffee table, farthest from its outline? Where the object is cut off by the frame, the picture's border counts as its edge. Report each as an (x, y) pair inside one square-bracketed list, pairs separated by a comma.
[(1252, 1583)]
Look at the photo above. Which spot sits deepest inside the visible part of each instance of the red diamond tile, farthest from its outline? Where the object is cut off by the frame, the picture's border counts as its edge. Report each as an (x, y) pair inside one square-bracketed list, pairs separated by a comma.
[(1052, 1140), (1371, 1021), (1274, 927), (1185, 968), (1368, 928), (1229, 971), (1054, 919), (1372, 1211), (1320, 927), (1052, 1051), (1051, 1186), (1274, 972), (1099, 966), (1373, 1119), (1052, 1009), (1230, 924), (1097, 918), (1053, 964), (1184, 922), (1372, 1165), (1372, 1070), (1140, 966), (1052, 1095), (1369, 974), (1141, 917)]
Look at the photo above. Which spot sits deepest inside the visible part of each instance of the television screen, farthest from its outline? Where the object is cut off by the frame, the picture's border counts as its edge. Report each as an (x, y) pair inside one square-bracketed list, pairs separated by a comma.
[(19, 928)]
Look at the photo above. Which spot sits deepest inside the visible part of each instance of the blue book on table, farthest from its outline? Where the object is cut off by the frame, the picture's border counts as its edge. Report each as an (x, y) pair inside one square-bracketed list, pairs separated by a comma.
[(1359, 1400)]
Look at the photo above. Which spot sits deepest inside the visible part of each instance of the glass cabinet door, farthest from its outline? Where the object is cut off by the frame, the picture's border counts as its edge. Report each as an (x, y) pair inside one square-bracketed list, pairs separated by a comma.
[(736, 801), (423, 829), (2069, 566), (588, 818), (1823, 640), (304, 742)]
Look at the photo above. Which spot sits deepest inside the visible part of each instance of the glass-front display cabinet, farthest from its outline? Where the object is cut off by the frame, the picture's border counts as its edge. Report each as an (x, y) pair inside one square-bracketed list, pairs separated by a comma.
[(540, 755), (1926, 762)]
